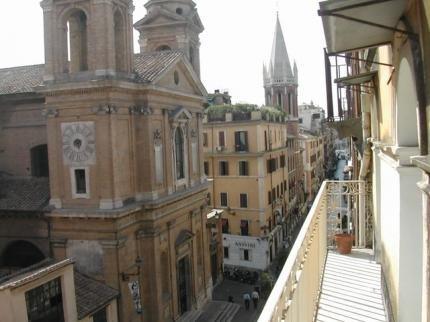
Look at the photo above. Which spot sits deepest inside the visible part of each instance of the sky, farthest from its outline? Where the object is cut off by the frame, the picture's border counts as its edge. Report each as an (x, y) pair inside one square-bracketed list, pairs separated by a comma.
[(236, 42)]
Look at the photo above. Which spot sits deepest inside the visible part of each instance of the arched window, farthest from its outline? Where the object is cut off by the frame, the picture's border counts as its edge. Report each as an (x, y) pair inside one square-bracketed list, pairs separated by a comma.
[(39, 161), (119, 31), (179, 154), (163, 47), (279, 100), (77, 41), (21, 254)]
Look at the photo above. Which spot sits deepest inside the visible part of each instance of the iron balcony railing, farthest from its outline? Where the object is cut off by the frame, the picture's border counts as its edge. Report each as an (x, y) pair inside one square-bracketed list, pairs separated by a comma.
[(296, 292)]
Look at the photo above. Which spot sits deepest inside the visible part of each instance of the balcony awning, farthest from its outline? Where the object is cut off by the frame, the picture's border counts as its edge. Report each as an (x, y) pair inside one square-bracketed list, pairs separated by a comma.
[(356, 79), (356, 24)]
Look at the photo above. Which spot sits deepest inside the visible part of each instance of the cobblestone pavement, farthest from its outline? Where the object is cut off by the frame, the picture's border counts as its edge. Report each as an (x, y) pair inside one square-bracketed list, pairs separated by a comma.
[(231, 288)]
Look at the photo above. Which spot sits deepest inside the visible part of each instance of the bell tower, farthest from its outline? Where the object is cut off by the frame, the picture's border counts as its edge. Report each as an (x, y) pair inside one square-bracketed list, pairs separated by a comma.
[(88, 49), (171, 25), (280, 80), (90, 36)]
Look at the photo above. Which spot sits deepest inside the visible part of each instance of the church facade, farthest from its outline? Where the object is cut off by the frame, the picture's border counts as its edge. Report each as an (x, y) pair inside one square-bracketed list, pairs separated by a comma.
[(113, 139)]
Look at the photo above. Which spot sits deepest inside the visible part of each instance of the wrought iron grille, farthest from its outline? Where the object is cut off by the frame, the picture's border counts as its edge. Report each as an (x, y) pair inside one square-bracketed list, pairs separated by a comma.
[(349, 210)]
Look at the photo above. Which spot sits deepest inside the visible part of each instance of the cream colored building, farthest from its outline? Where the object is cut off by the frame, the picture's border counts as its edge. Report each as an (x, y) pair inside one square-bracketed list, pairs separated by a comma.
[(253, 172), (52, 291), (388, 87), (313, 162)]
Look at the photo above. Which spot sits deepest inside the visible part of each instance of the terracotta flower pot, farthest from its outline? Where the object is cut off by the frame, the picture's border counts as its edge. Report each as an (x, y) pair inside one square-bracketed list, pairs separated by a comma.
[(344, 243)]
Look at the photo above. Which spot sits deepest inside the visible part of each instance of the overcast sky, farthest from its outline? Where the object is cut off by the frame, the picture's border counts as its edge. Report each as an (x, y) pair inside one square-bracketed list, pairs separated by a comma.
[(237, 40)]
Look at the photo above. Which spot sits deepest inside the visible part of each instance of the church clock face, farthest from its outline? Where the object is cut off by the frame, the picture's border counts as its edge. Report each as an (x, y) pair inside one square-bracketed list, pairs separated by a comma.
[(79, 144)]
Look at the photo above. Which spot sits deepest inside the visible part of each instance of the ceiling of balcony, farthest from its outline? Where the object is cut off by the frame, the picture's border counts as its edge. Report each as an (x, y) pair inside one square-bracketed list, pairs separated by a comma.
[(352, 24)]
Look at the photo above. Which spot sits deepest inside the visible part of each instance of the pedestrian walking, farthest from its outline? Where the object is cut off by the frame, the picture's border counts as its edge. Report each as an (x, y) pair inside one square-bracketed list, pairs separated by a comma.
[(255, 298), (246, 299)]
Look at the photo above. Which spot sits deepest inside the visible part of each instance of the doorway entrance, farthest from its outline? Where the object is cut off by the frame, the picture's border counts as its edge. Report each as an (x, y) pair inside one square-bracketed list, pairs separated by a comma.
[(184, 290)]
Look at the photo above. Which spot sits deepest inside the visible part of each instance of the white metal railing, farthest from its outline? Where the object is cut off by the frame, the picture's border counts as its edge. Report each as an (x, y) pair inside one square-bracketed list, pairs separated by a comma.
[(296, 292), (349, 200)]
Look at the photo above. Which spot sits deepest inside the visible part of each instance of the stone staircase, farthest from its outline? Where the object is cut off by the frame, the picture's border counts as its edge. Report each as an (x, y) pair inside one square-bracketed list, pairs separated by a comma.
[(214, 311), (190, 316), (219, 311)]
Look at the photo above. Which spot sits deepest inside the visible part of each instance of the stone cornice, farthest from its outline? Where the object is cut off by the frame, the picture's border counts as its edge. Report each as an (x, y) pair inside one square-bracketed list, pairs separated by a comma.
[(136, 207), (112, 87)]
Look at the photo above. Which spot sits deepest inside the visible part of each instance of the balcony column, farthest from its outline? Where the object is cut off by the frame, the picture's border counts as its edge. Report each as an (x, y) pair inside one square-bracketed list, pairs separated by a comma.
[(362, 214)]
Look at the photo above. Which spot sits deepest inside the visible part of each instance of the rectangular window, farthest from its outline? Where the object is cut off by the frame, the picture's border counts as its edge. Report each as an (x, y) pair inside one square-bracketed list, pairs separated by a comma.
[(273, 194), (224, 199), (206, 167), (243, 200), (277, 191), (226, 252), (244, 227), (223, 168), (241, 141), (271, 165), (243, 168), (100, 316), (265, 140), (221, 139), (269, 197), (80, 181), (205, 139), (45, 302), (313, 158), (282, 161), (246, 254), (225, 226)]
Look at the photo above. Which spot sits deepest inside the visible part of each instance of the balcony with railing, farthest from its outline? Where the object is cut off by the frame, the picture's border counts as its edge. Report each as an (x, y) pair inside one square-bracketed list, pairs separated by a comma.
[(318, 284)]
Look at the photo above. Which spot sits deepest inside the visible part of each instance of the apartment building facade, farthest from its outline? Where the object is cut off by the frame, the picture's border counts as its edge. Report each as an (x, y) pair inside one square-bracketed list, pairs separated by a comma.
[(313, 162), (254, 167)]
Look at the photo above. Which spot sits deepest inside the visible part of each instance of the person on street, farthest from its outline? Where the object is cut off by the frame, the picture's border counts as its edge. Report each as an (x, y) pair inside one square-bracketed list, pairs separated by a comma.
[(255, 298), (246, 299)]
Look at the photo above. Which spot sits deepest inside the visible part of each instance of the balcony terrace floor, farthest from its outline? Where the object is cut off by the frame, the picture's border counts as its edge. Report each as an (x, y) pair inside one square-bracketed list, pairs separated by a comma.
[(351, 289)]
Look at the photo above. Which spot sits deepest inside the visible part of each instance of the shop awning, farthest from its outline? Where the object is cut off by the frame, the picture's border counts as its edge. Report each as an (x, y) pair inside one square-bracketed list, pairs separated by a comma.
[(356, 24)]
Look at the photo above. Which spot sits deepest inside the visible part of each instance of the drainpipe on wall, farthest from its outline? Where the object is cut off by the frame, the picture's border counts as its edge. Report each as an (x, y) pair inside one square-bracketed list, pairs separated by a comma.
[(364, 169)]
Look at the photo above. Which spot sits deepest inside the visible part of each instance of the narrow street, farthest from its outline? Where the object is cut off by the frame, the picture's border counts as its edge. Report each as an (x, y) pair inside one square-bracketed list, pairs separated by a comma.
[(341, 164)]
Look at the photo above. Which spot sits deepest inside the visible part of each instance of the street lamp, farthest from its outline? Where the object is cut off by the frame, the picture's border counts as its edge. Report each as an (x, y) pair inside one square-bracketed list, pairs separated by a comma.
[(137, 264)]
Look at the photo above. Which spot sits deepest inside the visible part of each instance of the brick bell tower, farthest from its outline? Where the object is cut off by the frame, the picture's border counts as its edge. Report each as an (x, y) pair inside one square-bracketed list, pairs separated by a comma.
[(170, 25), (88, 61), (92, 36), (280, 80)]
